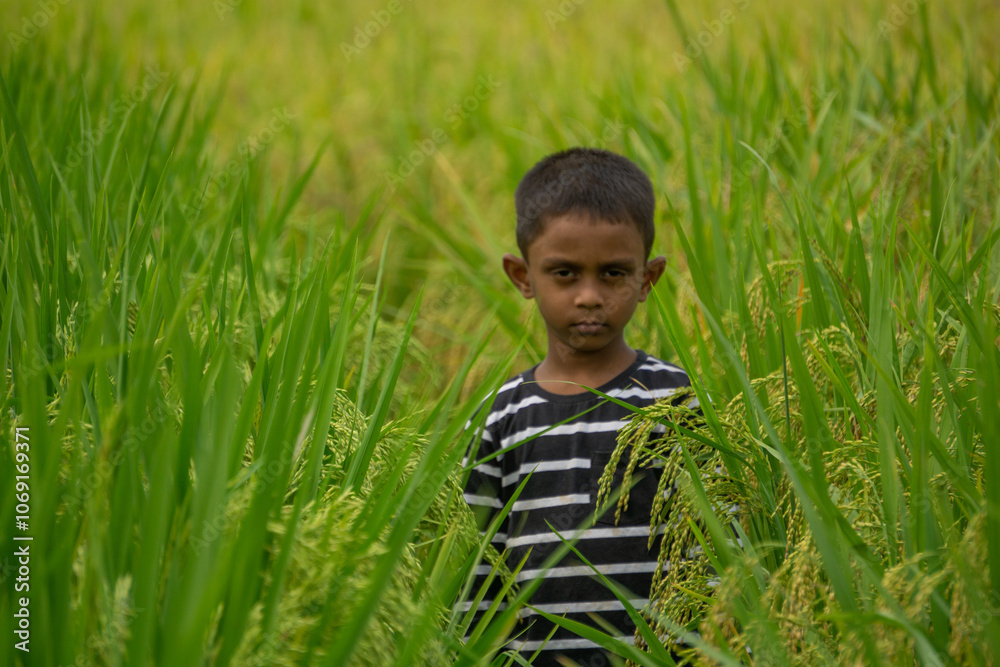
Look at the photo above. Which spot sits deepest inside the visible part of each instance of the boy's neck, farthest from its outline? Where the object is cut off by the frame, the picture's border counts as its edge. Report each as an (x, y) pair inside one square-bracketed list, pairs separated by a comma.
[(563, 365)]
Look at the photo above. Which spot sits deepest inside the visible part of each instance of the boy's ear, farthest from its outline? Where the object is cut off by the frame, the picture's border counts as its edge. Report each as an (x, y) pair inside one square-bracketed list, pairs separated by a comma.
[(517, 270), (654, 269)]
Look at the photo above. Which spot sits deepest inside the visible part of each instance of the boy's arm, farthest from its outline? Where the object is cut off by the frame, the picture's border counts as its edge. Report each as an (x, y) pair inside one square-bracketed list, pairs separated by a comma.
[(484, 487), (484, 494)]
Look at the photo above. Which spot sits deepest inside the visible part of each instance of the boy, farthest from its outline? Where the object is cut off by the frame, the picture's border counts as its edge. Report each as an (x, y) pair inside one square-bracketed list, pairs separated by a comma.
[(585, 230)]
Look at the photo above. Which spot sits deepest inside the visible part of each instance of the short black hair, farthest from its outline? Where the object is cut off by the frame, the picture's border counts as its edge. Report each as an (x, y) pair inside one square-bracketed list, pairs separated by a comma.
[(605, 185)]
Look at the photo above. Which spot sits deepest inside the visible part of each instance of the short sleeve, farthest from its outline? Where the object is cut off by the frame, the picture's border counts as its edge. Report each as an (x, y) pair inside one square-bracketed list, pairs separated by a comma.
[(484, 494), (484, 487)]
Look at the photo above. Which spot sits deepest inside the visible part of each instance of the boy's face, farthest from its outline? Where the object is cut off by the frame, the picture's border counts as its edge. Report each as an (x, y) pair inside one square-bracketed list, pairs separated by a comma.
[(587, 277)]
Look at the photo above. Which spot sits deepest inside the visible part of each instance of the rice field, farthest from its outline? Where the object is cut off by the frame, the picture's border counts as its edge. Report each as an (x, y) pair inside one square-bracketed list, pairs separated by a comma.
[(251, 294)]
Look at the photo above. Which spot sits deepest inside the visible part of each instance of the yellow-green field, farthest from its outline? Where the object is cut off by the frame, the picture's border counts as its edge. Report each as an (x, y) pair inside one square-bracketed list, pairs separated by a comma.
[(251, 293)]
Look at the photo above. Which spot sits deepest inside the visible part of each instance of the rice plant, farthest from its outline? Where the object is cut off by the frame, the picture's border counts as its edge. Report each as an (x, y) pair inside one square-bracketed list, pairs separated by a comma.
[(205, 484)]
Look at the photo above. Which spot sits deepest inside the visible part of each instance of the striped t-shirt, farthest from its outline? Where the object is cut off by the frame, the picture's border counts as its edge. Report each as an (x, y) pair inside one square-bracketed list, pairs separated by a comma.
[(567, 462)]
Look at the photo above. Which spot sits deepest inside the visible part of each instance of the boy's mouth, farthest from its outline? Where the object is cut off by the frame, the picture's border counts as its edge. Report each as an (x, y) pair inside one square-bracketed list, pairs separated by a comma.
[(588, 328)]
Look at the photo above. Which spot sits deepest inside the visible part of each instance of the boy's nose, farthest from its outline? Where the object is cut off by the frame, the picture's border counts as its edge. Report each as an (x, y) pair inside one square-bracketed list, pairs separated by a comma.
[(589, 295)]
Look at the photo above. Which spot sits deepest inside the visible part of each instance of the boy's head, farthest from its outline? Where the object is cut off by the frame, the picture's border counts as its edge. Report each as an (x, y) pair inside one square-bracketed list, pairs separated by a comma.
[(585, 229), (597, 183)]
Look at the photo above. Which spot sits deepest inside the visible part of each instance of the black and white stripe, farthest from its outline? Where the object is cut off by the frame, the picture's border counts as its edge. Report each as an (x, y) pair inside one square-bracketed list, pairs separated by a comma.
[(565, 463)]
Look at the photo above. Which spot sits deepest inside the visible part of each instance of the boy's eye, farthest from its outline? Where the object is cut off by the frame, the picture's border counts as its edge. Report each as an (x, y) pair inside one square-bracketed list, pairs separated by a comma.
[(562, 273)]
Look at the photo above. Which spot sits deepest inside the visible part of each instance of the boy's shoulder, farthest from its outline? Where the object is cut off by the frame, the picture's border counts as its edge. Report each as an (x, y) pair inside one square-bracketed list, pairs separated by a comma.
[(659, 371)]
